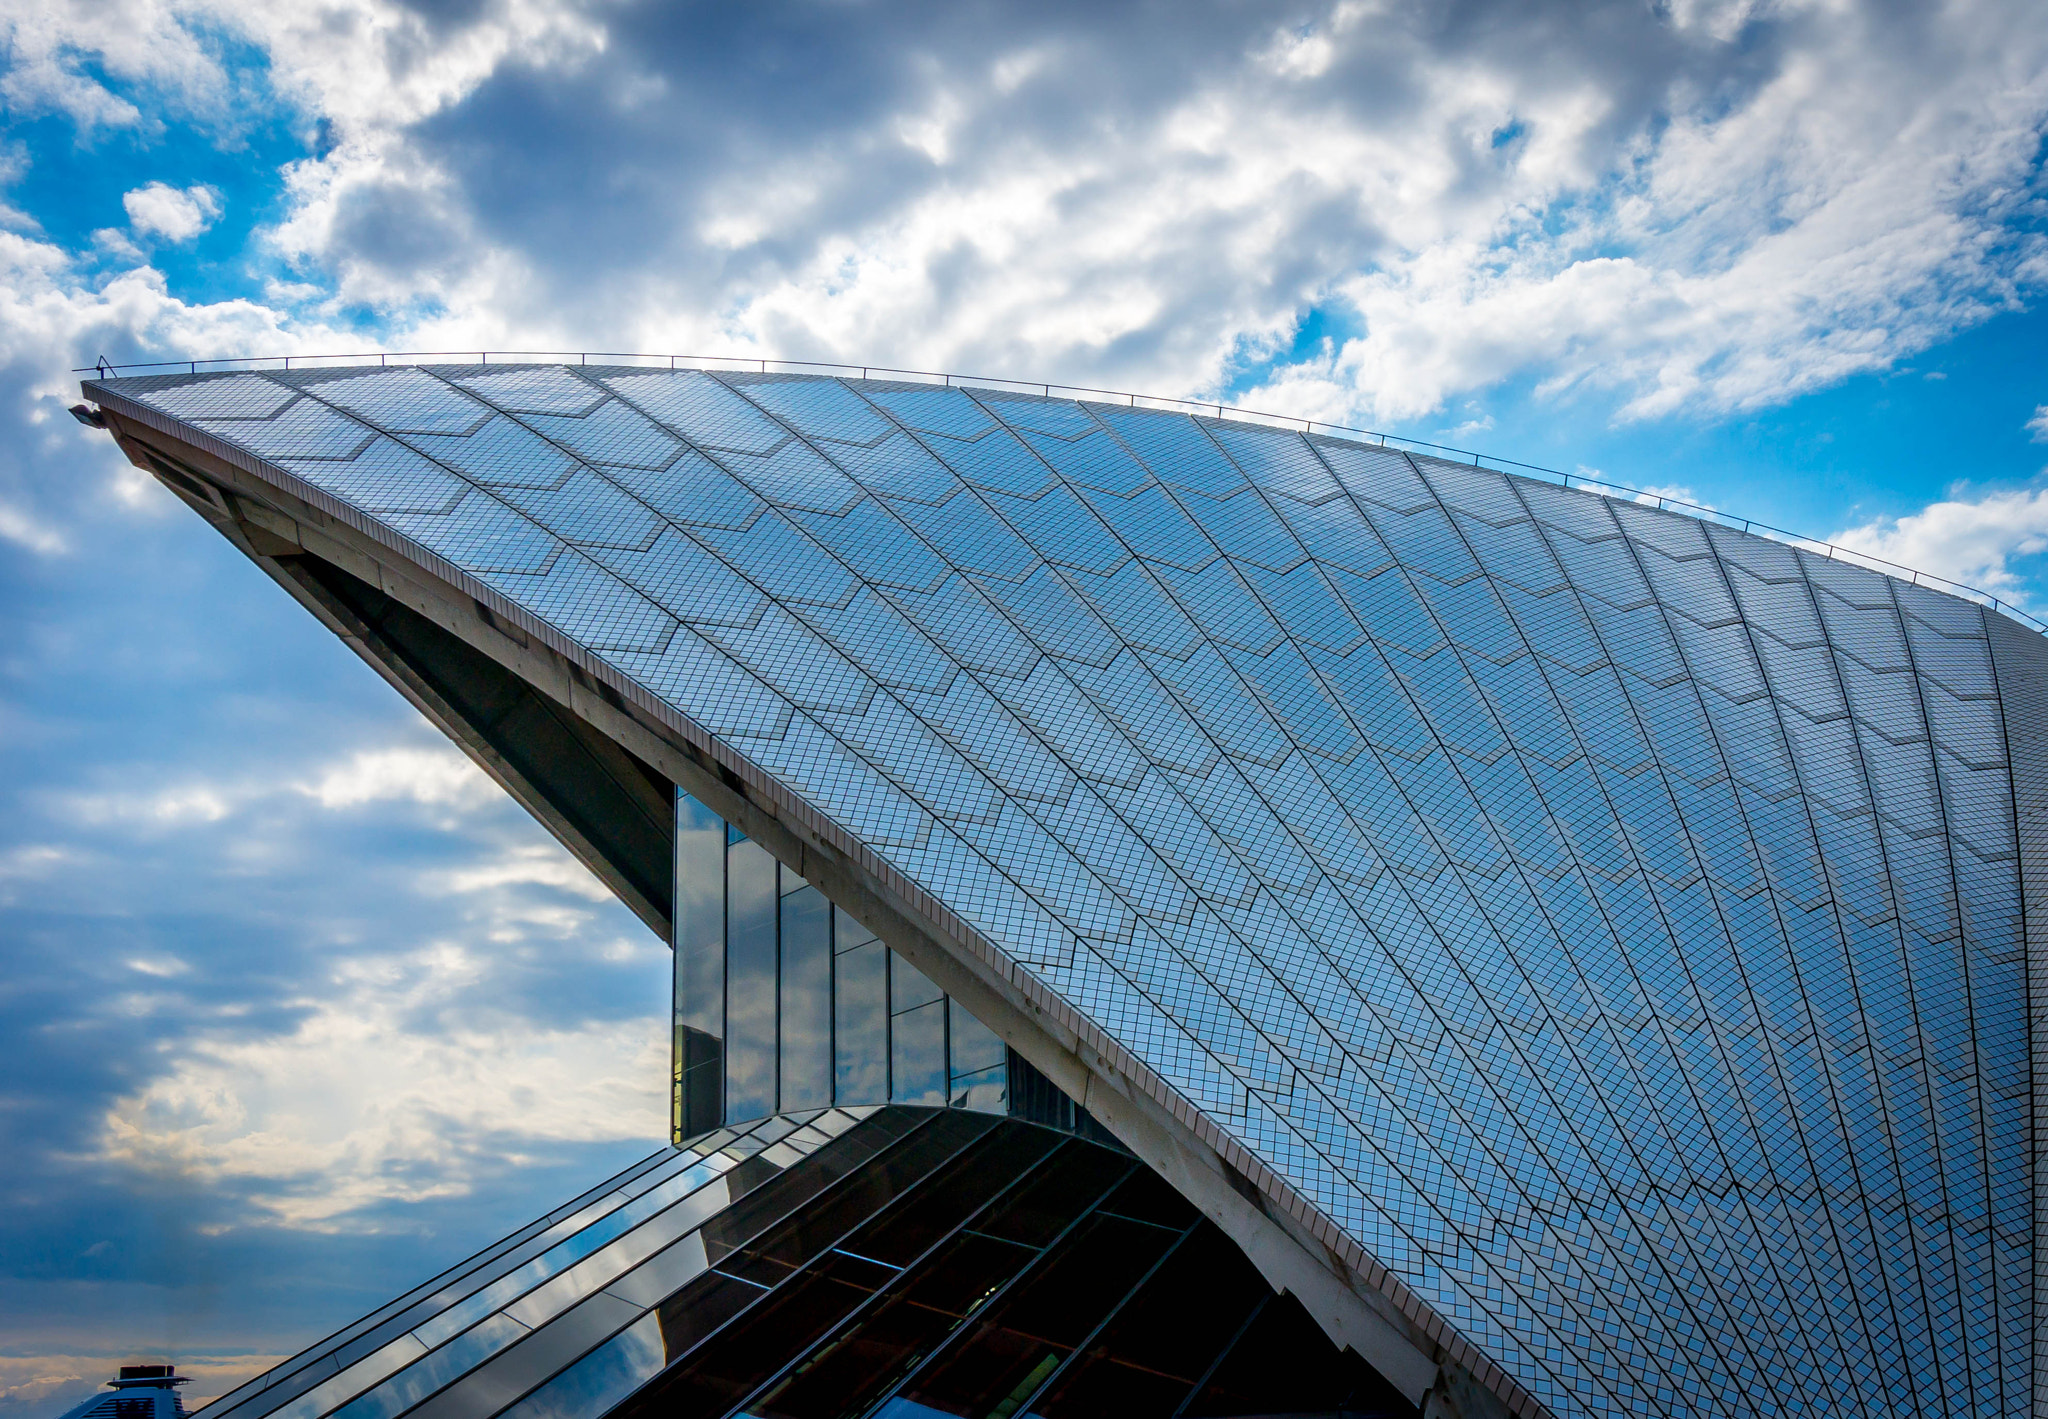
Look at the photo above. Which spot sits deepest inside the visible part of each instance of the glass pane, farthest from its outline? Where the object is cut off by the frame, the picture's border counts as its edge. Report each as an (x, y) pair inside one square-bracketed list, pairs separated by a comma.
[(861, 984), (977, 1061), (700, 1308), (811, 1227), (600, 1379), (1284, 1364), (806, 1000), (863, 1359), (988, 1092), (699, 969), (907, 1231), (751, 1350), (975, 1047), (1165, 1338), (909, 987), (1147, 1197), (750, 898), (905, 1146), (1076, 1179), (414, 1383), (917, 1069), (999, 1364), (848, 933)]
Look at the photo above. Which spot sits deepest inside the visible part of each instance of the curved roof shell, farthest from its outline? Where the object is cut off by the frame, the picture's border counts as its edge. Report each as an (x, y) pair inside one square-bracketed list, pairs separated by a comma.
[(1604, 930)]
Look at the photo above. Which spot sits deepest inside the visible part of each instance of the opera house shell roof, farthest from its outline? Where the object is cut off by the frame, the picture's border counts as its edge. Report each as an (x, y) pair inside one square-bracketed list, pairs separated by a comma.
[(1591, 942)]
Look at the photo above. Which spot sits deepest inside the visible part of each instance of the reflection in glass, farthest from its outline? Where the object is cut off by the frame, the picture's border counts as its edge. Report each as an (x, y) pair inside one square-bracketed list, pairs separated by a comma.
[(807, 1065), (699, 970), (988, 1090), (862, 1006), (600, 1379), (750, 900), (978, 1063), (917, 1065), (909, 987), (975, 1047), (785, 1003)]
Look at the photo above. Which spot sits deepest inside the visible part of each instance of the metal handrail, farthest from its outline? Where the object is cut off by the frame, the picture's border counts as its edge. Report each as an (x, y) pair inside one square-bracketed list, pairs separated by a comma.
[(106, 369)]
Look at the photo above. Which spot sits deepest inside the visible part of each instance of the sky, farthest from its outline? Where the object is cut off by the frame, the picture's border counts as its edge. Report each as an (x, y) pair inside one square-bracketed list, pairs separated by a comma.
[(295, 1006)]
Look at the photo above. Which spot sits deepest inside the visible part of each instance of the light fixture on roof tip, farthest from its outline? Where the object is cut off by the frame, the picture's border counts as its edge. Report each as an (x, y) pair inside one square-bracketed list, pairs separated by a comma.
[(88, 416)]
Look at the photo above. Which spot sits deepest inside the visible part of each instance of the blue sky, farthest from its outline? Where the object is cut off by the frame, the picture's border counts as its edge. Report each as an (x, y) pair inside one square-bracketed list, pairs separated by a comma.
[(296, 1007)]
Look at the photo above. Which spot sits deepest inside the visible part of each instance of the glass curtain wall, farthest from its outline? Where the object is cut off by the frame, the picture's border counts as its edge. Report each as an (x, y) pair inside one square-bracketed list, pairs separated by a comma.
[(784, 1003)]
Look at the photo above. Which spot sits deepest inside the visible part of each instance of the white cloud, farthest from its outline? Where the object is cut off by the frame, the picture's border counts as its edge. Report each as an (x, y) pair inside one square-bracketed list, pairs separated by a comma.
[(162, 967), (186, 805), (1719, 207), (391, 1089), (1972, 542), (26, 531), (438, 777), (175, 214), (1658, 493), (2038, 425), (1732, 239), (543, 864), (363, 62), (428, 776), (54, 315), (33, 859)]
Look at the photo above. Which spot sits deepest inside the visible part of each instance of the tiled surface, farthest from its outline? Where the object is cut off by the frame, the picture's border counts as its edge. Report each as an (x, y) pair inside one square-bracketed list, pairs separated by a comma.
[(1611, 921)]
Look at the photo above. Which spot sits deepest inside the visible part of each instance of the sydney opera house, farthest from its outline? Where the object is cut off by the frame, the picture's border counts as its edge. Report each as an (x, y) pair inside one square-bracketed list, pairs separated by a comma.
[(1183, 915)]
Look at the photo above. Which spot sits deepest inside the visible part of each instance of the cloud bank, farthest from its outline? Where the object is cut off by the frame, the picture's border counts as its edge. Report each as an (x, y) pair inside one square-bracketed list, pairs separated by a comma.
[(288, 971), (1694, 207)]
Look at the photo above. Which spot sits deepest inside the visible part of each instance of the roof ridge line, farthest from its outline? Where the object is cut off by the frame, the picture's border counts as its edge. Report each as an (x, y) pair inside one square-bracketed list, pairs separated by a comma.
[(1701, 512)]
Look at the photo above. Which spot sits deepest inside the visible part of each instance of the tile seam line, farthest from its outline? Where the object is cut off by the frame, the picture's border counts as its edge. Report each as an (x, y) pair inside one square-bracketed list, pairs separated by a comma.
[(1263, 492), (1195, 408), (1318, 1228), (2012, 681), (1154, 1086), (1701, 1259), (993, 410)]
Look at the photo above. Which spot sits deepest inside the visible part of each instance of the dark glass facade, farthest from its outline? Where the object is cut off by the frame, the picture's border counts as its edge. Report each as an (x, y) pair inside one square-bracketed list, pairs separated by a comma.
[(894, 1261), (1613, 939), (784, 1003)]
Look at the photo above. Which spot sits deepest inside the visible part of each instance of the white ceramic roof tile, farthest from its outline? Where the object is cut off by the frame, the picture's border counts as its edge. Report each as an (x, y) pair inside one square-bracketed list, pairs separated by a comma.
[(1618, 936)]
